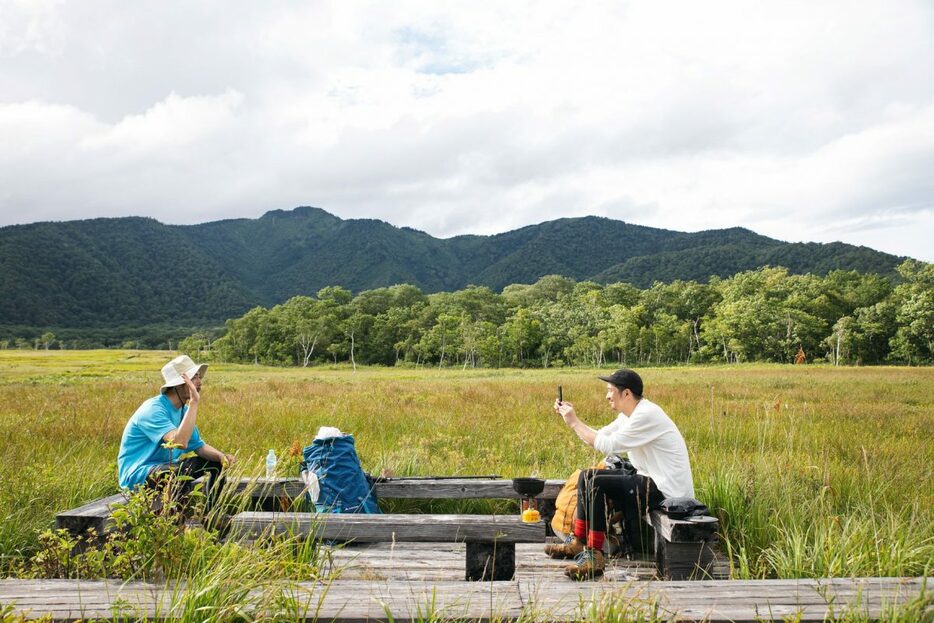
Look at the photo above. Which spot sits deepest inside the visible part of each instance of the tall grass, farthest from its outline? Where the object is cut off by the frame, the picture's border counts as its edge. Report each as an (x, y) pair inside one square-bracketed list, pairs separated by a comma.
[(814, 471)]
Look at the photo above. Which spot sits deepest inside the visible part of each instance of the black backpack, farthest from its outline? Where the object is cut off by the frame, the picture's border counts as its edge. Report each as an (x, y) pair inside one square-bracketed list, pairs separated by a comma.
[(682, 508)]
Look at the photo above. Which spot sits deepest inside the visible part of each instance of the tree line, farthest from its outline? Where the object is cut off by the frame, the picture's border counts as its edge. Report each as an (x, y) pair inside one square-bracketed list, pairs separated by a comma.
[(152, 336), (764, 315)]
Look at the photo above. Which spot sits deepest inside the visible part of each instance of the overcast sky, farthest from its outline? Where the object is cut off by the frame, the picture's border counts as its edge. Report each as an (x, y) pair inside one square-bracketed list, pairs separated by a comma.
[(807, 121)]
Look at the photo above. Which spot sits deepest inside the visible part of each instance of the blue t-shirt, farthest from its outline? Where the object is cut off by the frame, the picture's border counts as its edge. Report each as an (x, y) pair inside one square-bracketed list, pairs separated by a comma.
[(141, 447)]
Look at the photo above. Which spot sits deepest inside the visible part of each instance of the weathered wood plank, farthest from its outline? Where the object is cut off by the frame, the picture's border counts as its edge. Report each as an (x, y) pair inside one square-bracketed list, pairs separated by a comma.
[(401, 488), (685, 561), (291, 488), (389, 527), (681, 530), (727, 600), (445, 562), (347, 601), (94, 515), (685, 550), (459, 489), (270, 493)]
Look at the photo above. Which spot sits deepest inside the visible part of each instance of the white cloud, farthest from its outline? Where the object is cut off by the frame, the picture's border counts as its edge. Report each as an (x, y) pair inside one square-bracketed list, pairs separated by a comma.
[(173, 123), (804, 121)]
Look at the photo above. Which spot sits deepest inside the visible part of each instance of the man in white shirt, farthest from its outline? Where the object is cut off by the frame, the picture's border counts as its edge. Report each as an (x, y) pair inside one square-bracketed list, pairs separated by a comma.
[(656, 450)]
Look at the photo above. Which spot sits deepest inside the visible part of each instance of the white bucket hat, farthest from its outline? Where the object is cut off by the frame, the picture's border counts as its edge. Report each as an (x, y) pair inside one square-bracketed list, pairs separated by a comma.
[(172, 371)]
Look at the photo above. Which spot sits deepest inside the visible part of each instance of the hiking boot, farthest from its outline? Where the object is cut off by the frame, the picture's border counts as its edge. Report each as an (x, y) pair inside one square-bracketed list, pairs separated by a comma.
[(589, 564), (571, 547)]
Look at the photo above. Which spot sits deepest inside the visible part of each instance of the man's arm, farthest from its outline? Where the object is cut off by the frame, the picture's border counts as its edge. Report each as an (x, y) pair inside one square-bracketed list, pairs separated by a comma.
[(210, 453), (566, 411), (182, 435)]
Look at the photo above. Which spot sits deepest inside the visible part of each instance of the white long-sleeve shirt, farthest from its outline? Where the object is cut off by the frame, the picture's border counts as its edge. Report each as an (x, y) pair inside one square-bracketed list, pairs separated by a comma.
[(655, 446)]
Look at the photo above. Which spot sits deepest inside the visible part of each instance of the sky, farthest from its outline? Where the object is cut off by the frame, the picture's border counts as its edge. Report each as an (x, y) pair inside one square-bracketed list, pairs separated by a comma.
[(803, 121)]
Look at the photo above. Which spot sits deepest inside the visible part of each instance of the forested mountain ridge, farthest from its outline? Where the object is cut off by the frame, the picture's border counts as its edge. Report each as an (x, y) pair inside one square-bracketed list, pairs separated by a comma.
[(133, 270)]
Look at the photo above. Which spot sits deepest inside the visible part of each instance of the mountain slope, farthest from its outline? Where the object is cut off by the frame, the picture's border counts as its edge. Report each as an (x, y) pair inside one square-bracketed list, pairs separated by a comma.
[(132, 271)]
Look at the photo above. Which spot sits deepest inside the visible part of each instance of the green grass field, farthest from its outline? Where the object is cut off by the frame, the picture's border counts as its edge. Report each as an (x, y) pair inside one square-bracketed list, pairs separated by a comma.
[(814, 471)]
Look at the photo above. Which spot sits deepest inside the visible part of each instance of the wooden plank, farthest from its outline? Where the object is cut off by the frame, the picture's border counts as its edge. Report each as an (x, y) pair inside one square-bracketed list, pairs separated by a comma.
[(269, 492), (350, 601), (389, 527), (461, 489), (683, 531), (402, 488), (271, 488), (445, 561), (339, 601), (686, 561), (725, 600), (355, 601), (94, 515)]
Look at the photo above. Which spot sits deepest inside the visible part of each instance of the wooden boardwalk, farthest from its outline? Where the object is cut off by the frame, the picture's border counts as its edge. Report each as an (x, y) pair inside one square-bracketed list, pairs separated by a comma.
[(425, 581), (538, 599), (444, 562)]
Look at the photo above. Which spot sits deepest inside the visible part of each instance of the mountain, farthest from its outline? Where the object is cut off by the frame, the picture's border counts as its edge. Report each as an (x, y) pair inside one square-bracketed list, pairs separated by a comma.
[(137, 271)]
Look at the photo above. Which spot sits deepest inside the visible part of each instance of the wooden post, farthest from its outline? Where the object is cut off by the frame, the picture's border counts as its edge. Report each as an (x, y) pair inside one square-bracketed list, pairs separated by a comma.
[(684, 561), (684, 550), (546, 507), (490, 561)]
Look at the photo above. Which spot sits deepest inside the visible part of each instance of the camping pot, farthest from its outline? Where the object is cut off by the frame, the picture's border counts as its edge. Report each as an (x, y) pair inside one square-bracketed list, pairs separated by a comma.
[(528, 487)]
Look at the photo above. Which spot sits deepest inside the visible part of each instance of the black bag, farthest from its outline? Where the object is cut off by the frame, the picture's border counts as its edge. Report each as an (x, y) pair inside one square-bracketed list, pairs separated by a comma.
[(621, 464), (682, 508)]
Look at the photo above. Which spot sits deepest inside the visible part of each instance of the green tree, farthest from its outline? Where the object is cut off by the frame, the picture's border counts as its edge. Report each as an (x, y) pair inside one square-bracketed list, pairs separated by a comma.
[(547, 289), (195, 344), (309, 323), (442, 340), (522, 336), (914, 312), (47, 339), (240, 341), (355, 329)]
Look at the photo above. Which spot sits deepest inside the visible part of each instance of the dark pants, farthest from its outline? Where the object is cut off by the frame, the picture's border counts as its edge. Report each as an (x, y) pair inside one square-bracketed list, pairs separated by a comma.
[(194, 468), (632, 495)]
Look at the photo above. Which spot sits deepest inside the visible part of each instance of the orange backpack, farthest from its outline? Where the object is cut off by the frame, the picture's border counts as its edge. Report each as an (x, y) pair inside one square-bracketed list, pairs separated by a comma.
[(566, 504)]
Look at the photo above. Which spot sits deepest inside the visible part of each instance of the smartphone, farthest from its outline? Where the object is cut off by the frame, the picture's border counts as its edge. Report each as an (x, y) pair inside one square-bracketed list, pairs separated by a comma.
[(560, 395)]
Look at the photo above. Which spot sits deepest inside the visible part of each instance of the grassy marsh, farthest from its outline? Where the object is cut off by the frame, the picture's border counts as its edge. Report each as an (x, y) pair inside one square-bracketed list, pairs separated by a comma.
[(815, 471)]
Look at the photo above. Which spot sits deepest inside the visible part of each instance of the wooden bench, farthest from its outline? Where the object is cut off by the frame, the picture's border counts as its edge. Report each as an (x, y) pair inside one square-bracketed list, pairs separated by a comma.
[(685, 550), (92, 516), (490, 539), (269, 494), (277, 494), (682, 549)]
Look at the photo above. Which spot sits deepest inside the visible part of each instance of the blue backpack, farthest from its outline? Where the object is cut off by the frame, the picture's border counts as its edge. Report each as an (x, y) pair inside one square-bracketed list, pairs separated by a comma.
[(345, 488)]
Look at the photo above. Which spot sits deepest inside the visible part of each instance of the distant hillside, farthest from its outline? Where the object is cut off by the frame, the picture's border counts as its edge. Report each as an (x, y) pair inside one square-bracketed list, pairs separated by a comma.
[(136, 271)]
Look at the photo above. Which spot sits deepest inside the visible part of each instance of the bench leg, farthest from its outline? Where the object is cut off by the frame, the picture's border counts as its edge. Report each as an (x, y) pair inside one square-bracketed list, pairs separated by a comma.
[(684, 561), (491, 561), (547, 510)]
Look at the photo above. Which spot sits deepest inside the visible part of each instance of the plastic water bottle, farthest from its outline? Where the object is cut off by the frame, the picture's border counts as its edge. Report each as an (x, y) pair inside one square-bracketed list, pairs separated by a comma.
[(271, 464), (314, 487)]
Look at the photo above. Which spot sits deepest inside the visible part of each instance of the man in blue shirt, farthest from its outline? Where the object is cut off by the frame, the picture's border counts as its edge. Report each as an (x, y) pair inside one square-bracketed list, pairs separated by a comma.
[(164, 428)]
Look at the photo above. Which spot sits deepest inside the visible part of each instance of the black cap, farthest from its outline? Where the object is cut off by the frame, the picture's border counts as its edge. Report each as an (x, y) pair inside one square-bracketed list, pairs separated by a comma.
[(624, 378)]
